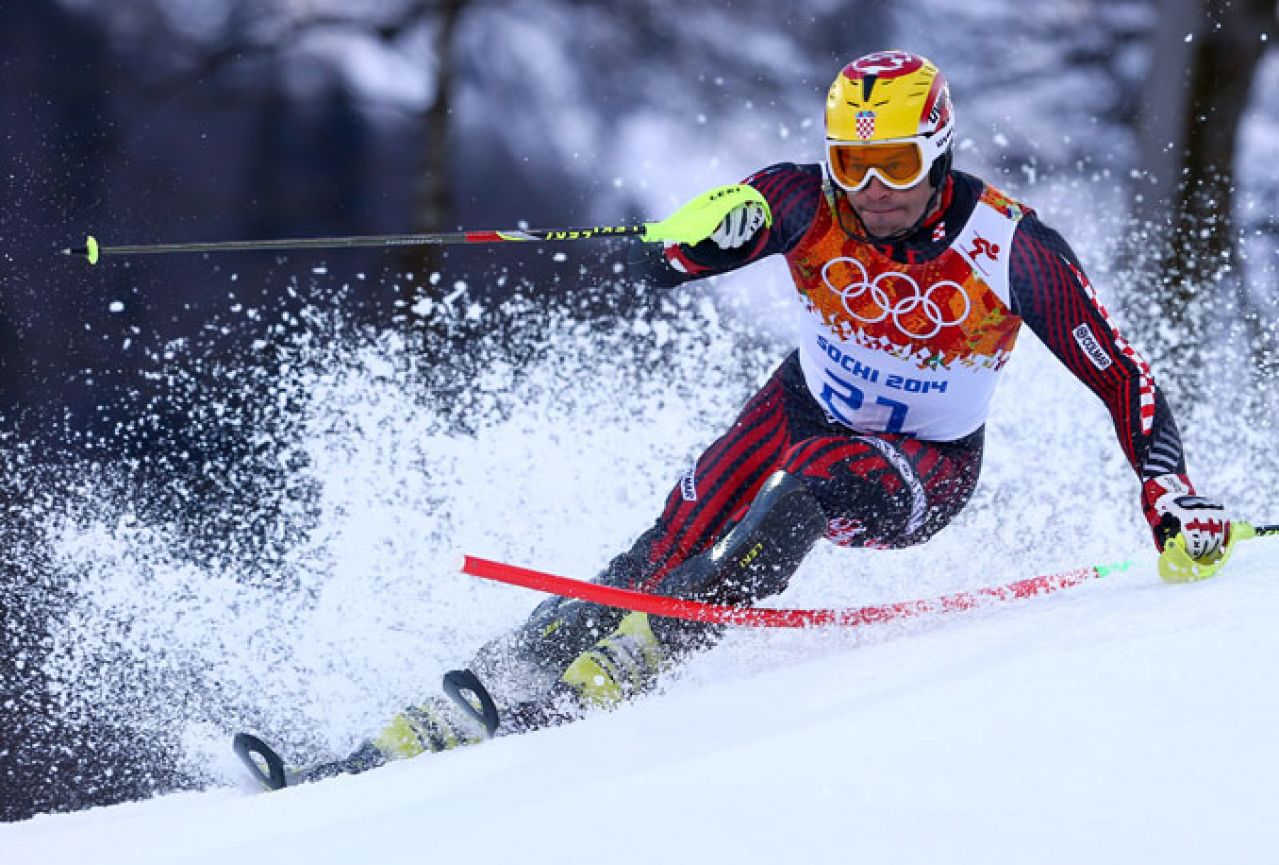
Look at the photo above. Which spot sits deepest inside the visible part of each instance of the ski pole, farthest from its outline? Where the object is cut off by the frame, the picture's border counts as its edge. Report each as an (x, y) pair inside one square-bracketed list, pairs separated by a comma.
[(690, 224), (93, 251)]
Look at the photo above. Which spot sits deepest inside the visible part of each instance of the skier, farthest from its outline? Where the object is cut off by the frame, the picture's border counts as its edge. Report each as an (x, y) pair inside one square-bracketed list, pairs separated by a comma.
[(913, 279)]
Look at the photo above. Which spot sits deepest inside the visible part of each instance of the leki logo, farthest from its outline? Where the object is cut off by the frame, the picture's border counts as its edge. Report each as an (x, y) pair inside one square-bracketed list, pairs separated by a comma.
[(918, 313)]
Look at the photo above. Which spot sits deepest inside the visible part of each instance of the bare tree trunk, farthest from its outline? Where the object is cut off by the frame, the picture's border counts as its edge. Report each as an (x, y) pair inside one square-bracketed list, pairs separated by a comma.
[(1206, 54), (1223, 64), (434, 206)]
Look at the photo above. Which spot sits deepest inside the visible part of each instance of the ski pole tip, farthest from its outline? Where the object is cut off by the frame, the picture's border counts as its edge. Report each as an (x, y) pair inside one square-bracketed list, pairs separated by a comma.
[(90, 250)]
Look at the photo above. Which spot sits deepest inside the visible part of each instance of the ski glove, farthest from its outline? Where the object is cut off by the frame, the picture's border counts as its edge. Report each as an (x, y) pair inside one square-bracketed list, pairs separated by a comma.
[(741, 224), (1172, 507)]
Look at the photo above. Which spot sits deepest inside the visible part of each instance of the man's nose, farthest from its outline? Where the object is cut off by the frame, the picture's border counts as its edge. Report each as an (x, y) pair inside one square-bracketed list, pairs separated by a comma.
[(877, 188)]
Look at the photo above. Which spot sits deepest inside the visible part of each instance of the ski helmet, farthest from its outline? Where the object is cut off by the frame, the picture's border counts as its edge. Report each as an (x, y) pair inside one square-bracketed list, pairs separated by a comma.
[(889, 114)]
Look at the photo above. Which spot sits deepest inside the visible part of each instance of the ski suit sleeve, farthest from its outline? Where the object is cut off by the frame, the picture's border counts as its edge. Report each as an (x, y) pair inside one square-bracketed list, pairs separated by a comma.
[(793, 193), (1053, 296)]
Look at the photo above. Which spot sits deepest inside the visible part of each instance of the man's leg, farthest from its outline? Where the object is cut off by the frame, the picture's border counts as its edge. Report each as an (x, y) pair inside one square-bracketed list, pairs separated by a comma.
[(529, 663), (855, 490), (566, 645), (734, 530), (887, 490), (858, 490)]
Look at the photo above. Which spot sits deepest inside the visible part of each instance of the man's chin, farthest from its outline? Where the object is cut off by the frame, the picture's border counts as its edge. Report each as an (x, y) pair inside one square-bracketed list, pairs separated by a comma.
[(884, 229)]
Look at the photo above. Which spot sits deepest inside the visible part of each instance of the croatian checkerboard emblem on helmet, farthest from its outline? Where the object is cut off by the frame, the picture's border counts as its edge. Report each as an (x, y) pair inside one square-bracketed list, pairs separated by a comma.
[(865, 124)]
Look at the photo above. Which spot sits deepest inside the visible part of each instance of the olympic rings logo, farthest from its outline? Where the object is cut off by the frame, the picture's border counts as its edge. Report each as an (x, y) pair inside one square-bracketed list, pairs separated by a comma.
[(914, 300)]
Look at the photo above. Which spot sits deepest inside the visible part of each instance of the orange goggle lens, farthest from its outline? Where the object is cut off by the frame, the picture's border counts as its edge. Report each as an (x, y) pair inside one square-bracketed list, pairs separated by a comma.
[(899, 164)]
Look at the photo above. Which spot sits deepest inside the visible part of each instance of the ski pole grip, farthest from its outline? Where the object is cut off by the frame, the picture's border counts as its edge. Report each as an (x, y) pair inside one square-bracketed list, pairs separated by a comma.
[(1177, 566), (695, 221), (90, 250)]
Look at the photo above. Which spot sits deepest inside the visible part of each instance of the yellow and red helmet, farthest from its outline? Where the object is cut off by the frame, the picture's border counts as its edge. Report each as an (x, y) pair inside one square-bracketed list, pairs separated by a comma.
[(888, 114)]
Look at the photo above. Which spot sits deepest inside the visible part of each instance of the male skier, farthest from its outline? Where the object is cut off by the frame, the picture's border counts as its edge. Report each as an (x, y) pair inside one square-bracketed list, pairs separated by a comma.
[(913, 280)]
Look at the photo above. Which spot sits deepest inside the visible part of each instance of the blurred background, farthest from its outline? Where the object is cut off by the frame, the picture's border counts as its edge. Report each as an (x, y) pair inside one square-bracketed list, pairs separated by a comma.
[(1145, 130)]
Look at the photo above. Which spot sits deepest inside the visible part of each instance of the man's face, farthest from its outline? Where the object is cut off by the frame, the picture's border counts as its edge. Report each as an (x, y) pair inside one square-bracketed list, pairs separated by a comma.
[(886, 211)]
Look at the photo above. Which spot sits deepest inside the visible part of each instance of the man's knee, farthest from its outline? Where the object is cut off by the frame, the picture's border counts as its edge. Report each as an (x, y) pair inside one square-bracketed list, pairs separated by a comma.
[(756, 556), (867, 491)]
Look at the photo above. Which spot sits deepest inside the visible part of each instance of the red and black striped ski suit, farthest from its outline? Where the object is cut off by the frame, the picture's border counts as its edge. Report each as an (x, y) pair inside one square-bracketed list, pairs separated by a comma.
[(875, 490)]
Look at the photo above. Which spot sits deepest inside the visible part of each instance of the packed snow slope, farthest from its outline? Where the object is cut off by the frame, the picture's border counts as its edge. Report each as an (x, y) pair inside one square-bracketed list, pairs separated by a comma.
[(1124, 720)]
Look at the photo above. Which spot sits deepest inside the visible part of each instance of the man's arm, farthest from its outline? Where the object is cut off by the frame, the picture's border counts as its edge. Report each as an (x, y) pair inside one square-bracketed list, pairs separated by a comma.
[(1053, 296), (793, 193)]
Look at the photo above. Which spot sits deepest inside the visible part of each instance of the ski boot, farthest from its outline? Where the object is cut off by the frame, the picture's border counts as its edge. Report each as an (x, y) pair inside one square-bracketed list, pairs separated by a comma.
[(623, 664)]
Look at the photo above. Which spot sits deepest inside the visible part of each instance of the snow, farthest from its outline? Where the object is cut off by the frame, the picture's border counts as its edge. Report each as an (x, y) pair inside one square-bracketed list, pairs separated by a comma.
[(1120, 721)]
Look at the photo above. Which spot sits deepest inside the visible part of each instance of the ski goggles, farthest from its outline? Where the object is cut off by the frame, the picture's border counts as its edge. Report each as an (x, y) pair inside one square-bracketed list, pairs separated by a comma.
[(900, 164)]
